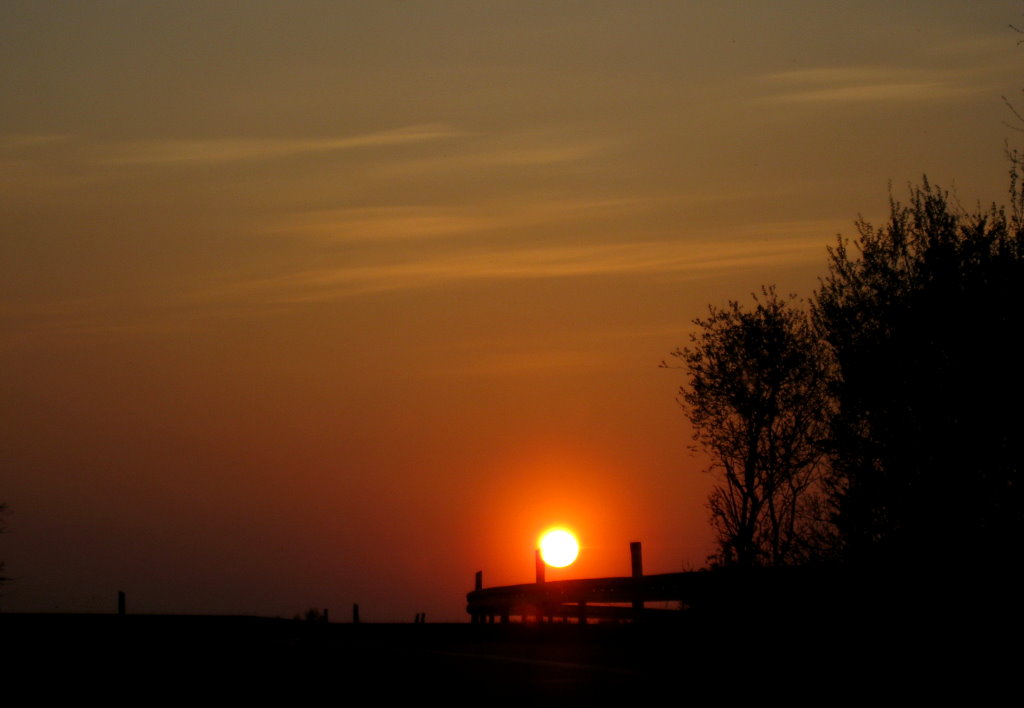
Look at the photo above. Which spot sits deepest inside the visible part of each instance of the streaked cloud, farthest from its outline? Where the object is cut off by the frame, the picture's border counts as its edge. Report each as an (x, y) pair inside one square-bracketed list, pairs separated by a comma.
[(536, 155), (864, 84), (235, 149), (413, 222), (535, 361), (20, 141), (581, 349), (375, 223), (677, 258), (499, 152)]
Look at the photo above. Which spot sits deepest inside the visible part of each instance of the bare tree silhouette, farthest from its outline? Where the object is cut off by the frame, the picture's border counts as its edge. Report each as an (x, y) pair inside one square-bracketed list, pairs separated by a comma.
[(3, 527), (757, 399)]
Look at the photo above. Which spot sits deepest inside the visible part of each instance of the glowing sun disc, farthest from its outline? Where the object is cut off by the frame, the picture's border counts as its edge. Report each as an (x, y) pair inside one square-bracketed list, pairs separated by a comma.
[(558, 548)]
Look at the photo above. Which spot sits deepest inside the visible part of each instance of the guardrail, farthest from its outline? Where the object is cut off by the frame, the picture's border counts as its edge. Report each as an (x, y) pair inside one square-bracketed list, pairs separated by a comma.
[(616, 598)]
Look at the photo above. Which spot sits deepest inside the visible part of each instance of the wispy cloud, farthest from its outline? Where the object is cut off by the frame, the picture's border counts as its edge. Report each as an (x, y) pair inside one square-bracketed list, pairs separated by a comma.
[(416, 222), (558, 261), (501, 152), (536, 155), (377, 223), (581, 348), (864, 84), (534, 361), (174, 151), (20, 141)]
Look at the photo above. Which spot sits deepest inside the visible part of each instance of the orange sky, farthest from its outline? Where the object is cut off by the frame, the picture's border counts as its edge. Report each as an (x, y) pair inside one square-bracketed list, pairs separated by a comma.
[(313, 303)]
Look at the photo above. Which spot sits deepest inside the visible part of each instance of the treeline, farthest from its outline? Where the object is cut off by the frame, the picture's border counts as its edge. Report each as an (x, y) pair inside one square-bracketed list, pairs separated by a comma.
[(879, 423)]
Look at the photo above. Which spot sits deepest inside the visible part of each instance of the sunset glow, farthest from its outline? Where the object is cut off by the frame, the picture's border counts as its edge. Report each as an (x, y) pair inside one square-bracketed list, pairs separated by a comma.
[(320, 303), (559, 548)]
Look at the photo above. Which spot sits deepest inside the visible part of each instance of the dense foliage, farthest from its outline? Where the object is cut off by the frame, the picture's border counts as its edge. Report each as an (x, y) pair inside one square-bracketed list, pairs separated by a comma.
[(923, 326), (905, 376)]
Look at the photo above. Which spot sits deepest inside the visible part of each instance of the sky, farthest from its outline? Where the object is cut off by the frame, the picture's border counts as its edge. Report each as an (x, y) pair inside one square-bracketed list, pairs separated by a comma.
[(314, 303)]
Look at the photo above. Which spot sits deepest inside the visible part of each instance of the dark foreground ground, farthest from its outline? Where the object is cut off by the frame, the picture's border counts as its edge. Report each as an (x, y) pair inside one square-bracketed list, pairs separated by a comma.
[(146, 659)]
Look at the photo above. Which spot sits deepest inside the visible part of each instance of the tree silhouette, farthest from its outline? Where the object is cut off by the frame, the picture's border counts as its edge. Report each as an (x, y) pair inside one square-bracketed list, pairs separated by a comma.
[(922, 321), (756, 397), (3, 527)]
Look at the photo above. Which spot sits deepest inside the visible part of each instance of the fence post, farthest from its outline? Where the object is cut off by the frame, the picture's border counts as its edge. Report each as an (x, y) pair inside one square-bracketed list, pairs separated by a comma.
[(637, 561)]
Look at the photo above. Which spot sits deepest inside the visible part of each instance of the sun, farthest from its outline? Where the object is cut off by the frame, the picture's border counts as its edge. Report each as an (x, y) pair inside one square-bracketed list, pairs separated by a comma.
[(558, 548)]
